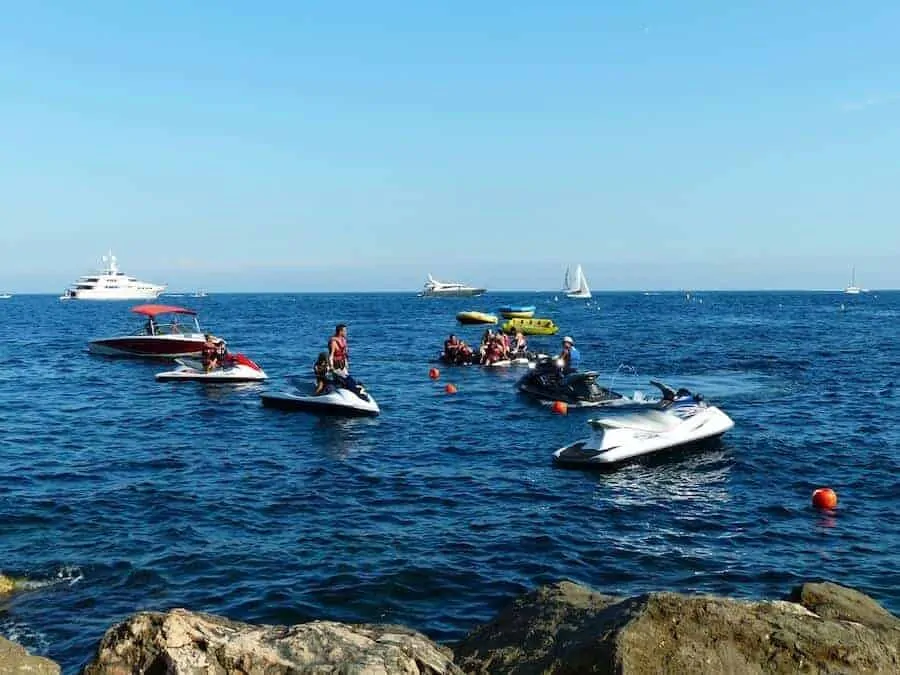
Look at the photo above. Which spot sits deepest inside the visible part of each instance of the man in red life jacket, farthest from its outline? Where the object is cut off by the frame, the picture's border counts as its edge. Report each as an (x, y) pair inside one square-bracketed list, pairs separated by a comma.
[(339, 352)]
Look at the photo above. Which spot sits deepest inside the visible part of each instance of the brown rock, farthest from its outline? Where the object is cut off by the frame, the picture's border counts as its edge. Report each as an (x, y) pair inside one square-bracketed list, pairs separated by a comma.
[(831, 601), (566, 628), (14, 659), (184, 642)]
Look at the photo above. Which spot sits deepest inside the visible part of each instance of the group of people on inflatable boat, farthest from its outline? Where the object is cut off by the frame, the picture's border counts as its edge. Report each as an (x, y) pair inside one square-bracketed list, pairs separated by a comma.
[(494, 347)]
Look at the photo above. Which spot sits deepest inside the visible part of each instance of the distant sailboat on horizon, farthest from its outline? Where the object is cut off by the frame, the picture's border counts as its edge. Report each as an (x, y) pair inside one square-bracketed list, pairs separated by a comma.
[(576, 286)]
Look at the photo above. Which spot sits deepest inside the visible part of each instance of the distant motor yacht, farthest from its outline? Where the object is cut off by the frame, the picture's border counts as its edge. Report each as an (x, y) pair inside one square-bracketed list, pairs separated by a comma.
[(449, 289), (111, 284), (853, 289)]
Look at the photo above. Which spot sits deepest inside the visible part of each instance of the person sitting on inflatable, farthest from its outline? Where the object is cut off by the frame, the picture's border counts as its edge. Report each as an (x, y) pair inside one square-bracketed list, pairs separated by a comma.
[(451, 349), (520, 347), (493, 351)]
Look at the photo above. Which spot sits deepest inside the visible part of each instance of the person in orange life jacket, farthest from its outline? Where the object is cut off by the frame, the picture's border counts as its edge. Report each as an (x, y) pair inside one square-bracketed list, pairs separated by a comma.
[(451, 348), (338, 352), (569, 356)]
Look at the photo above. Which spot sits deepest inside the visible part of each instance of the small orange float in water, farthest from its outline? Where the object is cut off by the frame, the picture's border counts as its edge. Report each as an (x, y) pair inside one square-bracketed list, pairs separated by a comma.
[(560, 407), (434, 373), (824, 498), (450, 388)]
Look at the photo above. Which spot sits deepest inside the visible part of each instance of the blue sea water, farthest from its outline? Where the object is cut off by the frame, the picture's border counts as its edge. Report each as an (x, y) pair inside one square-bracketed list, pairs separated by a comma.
[(122, 494)]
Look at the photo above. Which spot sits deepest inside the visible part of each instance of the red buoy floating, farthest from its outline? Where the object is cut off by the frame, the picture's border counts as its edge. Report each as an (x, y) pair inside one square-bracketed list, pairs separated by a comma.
[(450, 388), (560, 407), (824, 498), (434, 373)]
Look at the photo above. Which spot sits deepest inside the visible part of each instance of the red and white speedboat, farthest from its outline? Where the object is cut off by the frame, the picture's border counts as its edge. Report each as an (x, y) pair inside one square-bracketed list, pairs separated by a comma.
[(161, 336)]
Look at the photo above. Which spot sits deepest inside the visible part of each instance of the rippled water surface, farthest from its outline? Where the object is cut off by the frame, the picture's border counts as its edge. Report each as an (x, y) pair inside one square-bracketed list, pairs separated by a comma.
[(120, 493)]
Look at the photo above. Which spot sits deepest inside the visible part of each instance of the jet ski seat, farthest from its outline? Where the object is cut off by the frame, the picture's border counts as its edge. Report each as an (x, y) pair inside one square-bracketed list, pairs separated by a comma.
[(651, 421)]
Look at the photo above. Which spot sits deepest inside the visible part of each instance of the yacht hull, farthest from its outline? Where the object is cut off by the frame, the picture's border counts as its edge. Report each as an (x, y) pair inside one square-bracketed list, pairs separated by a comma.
[(149, 346)]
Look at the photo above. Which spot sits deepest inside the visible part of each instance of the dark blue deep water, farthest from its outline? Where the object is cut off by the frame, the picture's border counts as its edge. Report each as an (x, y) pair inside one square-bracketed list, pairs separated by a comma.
[(120, 493)]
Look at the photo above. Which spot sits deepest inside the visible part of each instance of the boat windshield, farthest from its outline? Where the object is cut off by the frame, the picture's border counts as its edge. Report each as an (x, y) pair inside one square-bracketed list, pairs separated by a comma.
[(175, 324)]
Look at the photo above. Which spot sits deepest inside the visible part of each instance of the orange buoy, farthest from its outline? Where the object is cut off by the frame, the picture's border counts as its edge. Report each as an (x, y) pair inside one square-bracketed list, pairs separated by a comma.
[(824, 498), (560, 407), (450, 388), (434, 373)]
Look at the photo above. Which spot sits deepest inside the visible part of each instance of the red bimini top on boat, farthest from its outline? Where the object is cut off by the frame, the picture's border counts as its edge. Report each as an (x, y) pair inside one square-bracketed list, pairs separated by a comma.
[(154, 310)]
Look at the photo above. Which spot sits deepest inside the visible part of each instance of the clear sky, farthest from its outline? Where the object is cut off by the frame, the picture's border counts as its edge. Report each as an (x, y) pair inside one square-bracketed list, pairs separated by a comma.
[(360, 145)]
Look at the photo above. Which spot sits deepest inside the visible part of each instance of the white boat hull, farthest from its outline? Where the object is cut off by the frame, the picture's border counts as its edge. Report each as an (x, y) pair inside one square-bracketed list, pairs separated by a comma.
[(337, 402), (114, 294), (190, 370), (617, 440)]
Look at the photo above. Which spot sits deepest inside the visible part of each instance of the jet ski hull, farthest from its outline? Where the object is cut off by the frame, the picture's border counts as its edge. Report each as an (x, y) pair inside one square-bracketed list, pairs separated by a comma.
[(340, 402), (190, 370), (617, 441)]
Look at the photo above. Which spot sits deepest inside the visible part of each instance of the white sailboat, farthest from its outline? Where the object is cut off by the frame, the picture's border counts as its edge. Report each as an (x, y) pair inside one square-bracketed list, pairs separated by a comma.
[(576, 286), (853, 289)]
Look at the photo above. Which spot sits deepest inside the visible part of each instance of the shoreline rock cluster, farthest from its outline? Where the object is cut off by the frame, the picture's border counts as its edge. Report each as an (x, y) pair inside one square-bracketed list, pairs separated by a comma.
[(819, 627)]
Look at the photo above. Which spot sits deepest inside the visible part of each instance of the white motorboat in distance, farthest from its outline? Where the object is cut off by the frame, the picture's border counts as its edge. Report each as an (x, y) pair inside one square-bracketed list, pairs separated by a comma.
[(435, 288), (686, 421), (236, 368), (166, 339), (111, 284)]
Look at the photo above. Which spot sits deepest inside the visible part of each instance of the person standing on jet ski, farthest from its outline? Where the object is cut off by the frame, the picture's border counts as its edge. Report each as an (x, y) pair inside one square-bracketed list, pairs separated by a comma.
[(569, 358), (339, 352)]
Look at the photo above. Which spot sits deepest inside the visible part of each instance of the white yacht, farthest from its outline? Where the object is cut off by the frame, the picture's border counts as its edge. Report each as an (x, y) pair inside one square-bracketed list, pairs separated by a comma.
[(111, 284), (576, 286), (5, 296), (853, 289), (451, 288)]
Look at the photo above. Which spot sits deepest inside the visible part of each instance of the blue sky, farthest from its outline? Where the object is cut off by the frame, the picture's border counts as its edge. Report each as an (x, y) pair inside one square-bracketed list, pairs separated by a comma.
[(362, 145)]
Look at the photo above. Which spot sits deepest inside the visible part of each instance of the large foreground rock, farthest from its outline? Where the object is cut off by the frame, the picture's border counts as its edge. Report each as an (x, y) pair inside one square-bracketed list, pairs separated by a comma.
[(14, 659), (567, 628), (184, 642)]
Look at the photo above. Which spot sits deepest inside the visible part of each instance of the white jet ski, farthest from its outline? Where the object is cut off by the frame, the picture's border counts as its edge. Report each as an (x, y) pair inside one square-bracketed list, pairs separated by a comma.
[(684, 421), (337, 399), (235, 368)]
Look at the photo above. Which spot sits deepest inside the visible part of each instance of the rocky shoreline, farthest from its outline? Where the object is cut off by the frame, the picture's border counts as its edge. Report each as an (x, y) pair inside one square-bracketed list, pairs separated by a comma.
[(819, 627)]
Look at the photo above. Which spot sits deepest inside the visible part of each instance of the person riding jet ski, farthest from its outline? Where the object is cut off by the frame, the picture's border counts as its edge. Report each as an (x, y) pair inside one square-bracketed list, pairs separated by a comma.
[(569, 356), (558, 379)]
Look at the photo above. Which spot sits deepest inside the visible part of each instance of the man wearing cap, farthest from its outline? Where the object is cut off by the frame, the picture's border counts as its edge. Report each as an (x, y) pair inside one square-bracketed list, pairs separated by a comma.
[(569, 356)]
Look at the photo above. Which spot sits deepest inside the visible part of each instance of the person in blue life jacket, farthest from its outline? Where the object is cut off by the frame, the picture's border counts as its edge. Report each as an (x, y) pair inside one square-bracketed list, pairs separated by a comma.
[(569, 358)]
